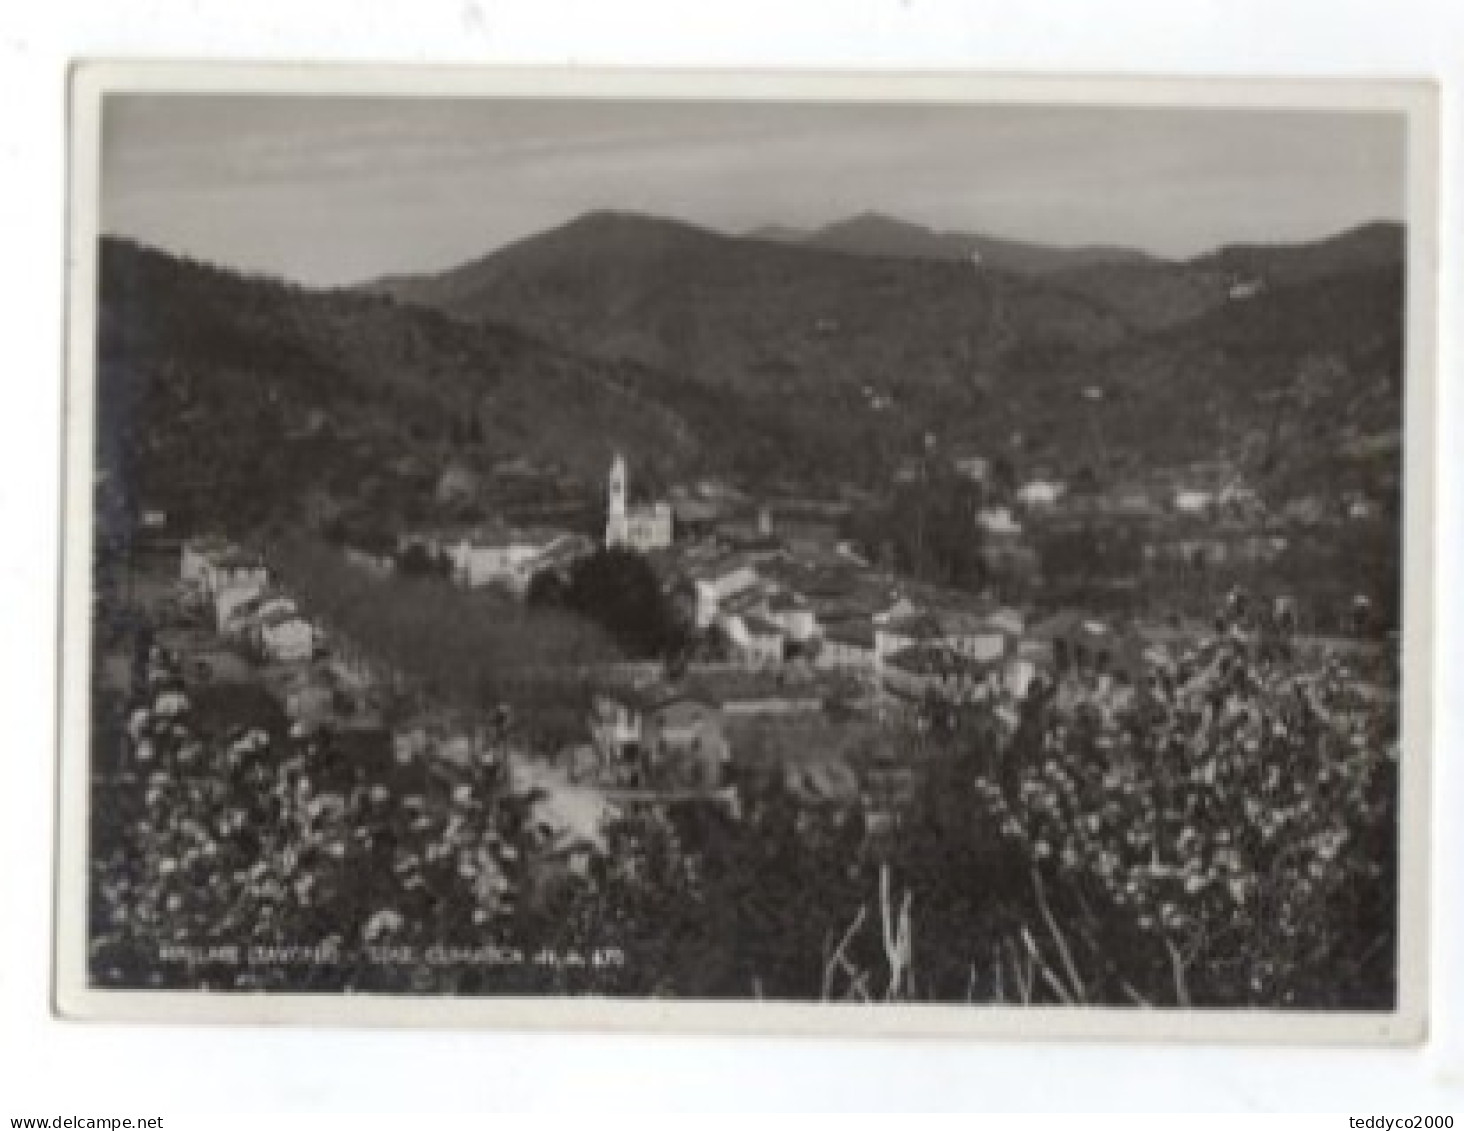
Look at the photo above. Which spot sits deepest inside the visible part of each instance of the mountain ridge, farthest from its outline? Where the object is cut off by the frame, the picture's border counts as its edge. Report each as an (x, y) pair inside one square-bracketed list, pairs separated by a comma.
[(876, 233), (699, 353)]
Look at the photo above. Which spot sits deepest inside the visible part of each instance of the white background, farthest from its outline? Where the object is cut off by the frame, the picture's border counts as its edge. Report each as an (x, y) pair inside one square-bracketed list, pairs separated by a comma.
[(49, 1068)]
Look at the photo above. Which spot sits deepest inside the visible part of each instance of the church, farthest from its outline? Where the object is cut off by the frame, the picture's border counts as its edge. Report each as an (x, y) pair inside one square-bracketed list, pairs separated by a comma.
[(640, 528)]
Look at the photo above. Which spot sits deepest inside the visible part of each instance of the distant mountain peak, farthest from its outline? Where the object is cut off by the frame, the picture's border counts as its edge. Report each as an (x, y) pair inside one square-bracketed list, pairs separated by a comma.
[(778, 233), (874, 216), (627, 220), (871, 222), (876, 233)]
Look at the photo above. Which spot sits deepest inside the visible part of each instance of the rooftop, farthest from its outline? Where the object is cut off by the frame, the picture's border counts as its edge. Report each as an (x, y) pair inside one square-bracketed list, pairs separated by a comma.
[(858, 633), (963, 622), (210, 544), (1070, 622), (787, 603), (744, 602), (279, 617), (917, 626), (759, 626), (719, 567)]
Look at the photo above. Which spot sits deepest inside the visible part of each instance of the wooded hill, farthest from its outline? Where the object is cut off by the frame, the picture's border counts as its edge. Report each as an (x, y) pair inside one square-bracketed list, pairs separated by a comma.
[(771, 363), (1188, 358)]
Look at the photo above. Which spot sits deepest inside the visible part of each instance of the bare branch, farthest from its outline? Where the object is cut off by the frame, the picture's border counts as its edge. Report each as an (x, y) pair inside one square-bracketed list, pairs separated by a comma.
[(1047, 975), (1024, 983), (838, 956), (1181, 990), (895, 929), (1134, 996)]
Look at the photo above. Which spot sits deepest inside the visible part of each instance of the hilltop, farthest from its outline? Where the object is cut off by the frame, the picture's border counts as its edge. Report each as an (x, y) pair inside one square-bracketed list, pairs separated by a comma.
[(765, 318), (259, 389)]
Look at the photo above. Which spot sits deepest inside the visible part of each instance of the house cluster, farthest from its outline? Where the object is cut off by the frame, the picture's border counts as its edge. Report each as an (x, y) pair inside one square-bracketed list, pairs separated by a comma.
[(1197, 516), (258, 639), (781, 606), (647, 737), (1209, 490), (657, 736), (495, 554), (805, 623), (678, 530), (429, 750), (778, 610), (651, 738), (244, 607), (955, 651)]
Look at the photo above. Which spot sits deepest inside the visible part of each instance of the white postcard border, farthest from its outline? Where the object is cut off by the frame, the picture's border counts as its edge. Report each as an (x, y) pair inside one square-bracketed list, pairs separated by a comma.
[(72, 996)]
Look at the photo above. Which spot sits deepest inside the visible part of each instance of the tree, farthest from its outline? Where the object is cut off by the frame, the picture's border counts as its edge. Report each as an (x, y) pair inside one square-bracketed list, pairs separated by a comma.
[(618, 588), (546, 588), (417, 561), (927, 530)]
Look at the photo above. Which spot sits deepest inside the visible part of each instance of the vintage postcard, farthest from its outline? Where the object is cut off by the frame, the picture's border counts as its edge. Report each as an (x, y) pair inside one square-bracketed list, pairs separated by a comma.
[(841, 554)]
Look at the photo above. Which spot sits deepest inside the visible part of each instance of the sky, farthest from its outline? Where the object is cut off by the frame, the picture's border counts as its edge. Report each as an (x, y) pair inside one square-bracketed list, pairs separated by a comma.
[(335, 190)]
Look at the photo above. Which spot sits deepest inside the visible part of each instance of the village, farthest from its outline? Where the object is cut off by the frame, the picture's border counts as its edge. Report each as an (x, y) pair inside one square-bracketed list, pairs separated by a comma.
[(798, 641)]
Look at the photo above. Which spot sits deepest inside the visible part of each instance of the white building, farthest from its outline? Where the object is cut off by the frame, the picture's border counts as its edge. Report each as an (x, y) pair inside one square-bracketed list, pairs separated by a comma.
[(231, 578), (976, 636), (998, 521), (793, 615), (504, 557), (198, 553), (235, 570), (286, 636), (1040, 494), (639, 528), (1188, 501), (717, 583), (500, 557)]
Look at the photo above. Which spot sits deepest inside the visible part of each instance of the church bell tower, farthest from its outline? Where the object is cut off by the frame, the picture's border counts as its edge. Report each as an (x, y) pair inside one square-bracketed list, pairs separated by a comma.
[(615, 521)]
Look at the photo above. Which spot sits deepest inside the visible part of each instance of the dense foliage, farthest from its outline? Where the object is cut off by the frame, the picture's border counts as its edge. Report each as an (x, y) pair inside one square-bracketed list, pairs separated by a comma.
[(1219, 832), (1224, 834), (618, 589)]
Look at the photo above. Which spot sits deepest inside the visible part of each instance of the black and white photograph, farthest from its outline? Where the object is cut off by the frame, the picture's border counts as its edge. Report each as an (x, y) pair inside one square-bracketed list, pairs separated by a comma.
[(828, 558)]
